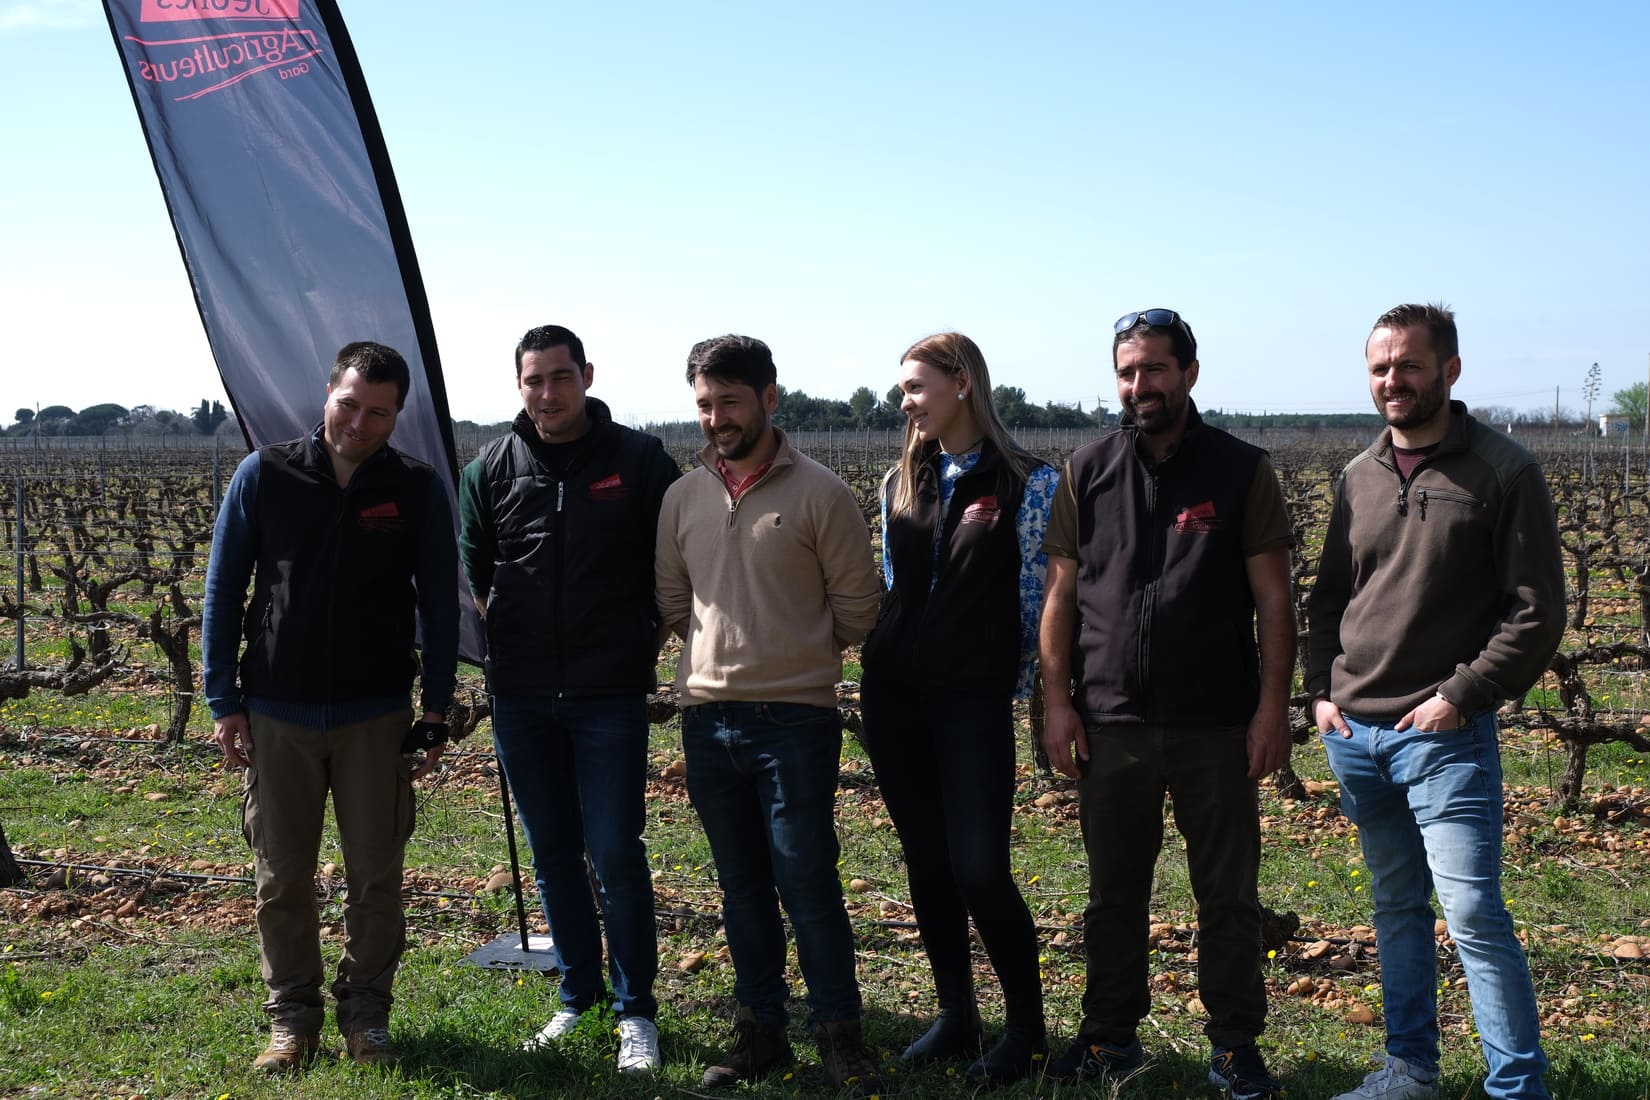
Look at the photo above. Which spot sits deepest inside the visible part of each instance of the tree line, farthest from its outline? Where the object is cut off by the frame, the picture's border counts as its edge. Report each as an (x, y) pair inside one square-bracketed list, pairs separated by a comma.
[(861, 411), (99, 419), (864, 409)]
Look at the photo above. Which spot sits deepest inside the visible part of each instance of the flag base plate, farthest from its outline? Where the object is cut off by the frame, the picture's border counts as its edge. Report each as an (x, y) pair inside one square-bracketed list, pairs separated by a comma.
[(505, 953)]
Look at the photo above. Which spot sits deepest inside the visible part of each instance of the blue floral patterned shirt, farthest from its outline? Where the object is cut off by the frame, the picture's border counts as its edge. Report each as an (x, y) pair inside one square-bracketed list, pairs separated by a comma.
[(1029, 526)]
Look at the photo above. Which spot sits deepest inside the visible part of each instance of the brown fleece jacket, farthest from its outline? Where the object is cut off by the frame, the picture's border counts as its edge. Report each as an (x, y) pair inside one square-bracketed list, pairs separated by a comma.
[(1451, 582)]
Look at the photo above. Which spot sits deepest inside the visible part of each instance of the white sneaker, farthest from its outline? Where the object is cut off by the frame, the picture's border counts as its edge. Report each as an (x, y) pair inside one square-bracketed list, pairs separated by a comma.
[(560, 1025), (638, 1045), (1394, 1081)]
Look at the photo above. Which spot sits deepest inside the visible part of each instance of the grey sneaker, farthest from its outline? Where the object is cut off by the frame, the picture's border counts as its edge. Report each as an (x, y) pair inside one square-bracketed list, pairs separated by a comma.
[(560, 1026), (638, 1045), (1397, 1080)]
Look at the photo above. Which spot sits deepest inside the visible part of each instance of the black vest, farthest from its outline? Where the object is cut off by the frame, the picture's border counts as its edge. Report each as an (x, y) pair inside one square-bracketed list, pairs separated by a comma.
[(955, 620), (571, 610), (1166, 619), (331, 618)]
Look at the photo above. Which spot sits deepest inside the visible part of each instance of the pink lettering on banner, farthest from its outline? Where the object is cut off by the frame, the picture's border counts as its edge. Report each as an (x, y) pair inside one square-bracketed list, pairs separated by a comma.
[(204, 64), (172, 11)]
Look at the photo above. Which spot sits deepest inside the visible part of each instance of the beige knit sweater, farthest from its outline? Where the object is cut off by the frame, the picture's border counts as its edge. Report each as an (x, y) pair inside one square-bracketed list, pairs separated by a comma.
[(767, 590)]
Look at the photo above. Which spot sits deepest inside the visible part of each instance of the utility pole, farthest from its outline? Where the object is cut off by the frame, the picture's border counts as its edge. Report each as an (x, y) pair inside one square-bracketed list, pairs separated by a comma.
[(1590, 390)]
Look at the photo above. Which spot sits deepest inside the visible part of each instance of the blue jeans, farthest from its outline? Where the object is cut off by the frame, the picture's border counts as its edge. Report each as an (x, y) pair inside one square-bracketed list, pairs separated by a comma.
[(1429, 814), (762, 777), (578, 770)]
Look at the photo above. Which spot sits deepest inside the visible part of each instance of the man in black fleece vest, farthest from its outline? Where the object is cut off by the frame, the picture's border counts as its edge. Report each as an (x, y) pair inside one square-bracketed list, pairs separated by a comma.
[(1167, 543), (343, 538), (558, 529)]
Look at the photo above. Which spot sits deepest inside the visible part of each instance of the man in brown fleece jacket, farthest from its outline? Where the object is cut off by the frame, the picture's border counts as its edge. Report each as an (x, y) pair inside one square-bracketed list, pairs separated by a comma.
[(1439, 594), (764, 568)]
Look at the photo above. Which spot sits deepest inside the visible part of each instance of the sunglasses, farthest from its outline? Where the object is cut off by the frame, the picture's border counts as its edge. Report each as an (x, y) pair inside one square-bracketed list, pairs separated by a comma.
[(1157, 318)]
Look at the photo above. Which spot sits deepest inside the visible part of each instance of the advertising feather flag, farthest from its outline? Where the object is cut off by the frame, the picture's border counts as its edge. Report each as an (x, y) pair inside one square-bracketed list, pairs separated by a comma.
[(285, 208)]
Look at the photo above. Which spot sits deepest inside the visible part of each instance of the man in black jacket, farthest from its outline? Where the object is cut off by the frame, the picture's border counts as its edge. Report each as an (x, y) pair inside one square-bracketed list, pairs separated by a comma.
[(558, 523), (342, 537), (1167, 542)]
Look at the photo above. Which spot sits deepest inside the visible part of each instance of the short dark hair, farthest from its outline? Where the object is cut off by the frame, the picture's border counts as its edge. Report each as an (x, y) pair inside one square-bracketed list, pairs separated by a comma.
[(1436, 317), (1182, 344), (374, 362), (546, 337), (743, 360)]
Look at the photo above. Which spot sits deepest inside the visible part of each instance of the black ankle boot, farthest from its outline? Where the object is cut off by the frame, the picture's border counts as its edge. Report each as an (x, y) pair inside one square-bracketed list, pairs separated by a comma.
[(954, 1036), (1021, 1052)]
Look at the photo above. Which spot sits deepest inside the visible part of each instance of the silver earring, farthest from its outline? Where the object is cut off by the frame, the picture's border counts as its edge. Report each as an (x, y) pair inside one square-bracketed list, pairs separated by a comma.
[(961, 396)]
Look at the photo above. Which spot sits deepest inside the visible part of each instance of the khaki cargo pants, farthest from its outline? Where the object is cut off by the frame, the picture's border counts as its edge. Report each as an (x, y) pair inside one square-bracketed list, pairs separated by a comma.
[(293, 768)]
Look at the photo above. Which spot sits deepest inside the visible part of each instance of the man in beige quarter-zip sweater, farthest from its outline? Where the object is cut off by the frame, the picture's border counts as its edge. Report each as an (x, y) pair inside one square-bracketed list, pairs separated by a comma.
[(764, 568)]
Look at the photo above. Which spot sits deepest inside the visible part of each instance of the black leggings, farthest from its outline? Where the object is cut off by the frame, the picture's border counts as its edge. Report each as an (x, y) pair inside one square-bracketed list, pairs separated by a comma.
[(946, 768)]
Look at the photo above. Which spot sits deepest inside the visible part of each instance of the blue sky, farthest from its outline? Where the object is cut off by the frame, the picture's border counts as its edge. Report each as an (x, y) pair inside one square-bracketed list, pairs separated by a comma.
[(841, 179)]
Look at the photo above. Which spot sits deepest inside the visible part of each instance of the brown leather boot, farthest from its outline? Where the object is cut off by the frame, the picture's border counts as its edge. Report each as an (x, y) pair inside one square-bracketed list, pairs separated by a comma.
[(758, 1048), (371, 1046), (847, 1063), (289, 1050)]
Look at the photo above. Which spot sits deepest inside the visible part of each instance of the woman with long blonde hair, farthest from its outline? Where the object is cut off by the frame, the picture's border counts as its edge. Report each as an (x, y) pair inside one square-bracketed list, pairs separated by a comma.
[(963, 515)]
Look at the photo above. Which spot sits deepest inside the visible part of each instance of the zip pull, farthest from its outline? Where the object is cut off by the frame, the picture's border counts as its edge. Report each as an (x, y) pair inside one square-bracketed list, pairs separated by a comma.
[(1423, 504), (561, 492), (1403, 500)]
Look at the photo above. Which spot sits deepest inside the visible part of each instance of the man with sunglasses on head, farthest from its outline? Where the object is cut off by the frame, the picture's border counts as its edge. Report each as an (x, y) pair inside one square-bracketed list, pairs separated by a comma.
[(1440, 593), (1167, 544)]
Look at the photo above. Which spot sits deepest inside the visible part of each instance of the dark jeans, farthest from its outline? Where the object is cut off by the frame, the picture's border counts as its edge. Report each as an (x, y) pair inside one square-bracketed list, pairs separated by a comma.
[(578, 770), (945, 763), (1203, 770), (762, 777)]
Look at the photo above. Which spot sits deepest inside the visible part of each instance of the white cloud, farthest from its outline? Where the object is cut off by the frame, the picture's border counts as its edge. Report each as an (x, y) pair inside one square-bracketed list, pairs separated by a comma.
[(49, 15)]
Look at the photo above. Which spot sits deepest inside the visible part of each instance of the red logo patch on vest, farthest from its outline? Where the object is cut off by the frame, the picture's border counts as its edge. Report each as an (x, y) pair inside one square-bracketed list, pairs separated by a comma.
[(984, 510), (611, 487), (1198, 519), (383, 517)]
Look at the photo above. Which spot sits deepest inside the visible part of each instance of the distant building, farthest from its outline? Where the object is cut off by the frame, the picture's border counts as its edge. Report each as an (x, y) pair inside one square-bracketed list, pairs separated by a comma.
[(1614, 424)]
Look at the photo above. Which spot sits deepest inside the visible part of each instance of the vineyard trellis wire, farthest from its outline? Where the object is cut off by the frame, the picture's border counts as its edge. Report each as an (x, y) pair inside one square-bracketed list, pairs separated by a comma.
[(104, 553), (109, 545)]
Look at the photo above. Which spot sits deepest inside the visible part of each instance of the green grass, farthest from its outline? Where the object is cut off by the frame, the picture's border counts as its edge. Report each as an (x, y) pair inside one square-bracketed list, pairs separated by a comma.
[(164, 1002)]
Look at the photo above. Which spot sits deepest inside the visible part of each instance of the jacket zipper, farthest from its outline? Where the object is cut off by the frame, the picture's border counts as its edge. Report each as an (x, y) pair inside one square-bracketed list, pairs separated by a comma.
[(1148, 595), (557, 571), (343, 495), (733, 501)]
